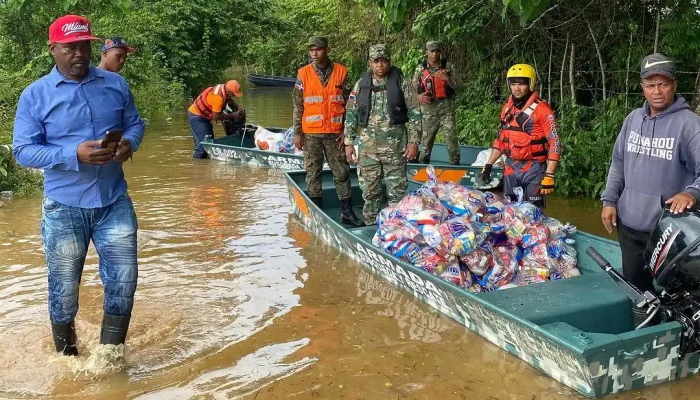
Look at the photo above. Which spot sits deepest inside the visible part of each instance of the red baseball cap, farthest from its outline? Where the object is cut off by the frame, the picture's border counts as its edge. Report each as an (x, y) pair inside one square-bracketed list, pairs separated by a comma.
[(70, 28)]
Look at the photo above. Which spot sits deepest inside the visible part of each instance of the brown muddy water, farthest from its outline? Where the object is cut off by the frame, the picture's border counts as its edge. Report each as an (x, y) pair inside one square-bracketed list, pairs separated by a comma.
[(236, 300)]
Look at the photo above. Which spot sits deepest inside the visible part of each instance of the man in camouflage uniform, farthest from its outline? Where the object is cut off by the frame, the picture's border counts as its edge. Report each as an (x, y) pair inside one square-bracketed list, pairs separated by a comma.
[(320, 94), (382, 104), (436, 82)]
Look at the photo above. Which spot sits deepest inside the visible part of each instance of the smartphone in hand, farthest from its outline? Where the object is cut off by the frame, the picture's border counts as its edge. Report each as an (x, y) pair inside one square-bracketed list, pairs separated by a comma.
[(112, 138)]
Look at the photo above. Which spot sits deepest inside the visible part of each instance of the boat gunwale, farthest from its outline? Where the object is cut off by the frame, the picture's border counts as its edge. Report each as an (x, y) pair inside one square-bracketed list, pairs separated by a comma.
[(254, 150)]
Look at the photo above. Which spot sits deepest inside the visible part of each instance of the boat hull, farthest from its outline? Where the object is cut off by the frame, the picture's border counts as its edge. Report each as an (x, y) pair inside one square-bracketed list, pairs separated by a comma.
[(269, 80), (605, 356), (235, 149)]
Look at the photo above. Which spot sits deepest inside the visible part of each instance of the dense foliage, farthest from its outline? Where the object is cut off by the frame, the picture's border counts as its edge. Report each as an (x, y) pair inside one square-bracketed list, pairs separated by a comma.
[(183, 45), (592, 89)]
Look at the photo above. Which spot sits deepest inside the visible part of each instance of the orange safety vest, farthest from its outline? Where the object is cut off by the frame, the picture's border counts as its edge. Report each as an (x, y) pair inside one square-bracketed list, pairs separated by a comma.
[(201, 106), (435, 88), (521, 142), (324, 107)]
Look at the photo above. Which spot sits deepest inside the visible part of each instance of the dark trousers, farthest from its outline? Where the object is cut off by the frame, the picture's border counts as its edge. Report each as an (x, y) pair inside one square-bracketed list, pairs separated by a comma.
[(527, 175), (632, 245), (201, 128)]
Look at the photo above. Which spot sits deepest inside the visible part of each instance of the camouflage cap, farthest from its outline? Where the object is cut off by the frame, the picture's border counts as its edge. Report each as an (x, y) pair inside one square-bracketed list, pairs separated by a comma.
[(433, 45), (318, 41), (379, 51)]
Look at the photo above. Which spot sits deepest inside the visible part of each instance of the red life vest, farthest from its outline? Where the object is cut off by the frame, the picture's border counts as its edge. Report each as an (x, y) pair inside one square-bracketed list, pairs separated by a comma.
[(435, 88), (201, 103), (521, 141)]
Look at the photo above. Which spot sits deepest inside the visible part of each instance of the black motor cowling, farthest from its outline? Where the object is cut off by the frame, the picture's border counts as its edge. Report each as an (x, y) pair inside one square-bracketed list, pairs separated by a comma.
[(673, 252)]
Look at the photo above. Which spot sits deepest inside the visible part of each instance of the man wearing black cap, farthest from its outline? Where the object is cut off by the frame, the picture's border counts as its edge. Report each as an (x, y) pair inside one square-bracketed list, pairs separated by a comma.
[(655, 163), (114, 52), (320, 94)]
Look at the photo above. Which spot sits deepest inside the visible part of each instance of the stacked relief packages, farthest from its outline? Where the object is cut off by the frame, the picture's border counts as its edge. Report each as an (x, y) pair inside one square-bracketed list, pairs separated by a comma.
[(476, 240), (278, 142)]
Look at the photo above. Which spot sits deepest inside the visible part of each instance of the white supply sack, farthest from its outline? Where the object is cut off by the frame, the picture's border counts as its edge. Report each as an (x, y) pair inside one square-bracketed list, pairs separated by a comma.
[(267, 140), (483, 158)]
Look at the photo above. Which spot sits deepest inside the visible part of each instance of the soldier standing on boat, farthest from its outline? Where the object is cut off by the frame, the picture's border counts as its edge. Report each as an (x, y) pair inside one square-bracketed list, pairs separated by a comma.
[(319, 97), (529, 139), (437, 81), (210, 105), (655, 163), (382, 103)]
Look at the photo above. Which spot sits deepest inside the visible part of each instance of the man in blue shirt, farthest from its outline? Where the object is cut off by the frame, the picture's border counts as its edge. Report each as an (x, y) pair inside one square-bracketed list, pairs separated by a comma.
[(59, 127)]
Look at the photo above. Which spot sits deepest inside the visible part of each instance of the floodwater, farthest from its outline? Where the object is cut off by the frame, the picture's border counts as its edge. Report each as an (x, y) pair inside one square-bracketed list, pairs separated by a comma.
[(236, 300)]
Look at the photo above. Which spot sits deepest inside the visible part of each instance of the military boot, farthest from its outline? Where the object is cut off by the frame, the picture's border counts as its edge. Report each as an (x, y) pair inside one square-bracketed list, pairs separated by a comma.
[(347, 216), (64, 338), (114, 328), (317, 201)]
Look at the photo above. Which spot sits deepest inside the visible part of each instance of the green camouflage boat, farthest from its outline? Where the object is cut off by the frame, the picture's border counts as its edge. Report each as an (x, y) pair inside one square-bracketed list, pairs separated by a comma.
[(239, 148), (578, 331)]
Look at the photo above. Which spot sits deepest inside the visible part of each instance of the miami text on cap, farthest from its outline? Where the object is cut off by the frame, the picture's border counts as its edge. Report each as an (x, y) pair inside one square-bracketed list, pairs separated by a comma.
[(70, 28)]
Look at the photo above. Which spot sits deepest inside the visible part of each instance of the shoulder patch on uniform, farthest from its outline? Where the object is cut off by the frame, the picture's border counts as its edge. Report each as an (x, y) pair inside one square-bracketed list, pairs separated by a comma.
[(299, 85), (351, 101)]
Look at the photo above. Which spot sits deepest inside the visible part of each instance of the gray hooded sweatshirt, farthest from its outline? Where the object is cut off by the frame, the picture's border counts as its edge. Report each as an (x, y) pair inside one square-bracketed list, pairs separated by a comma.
[(653, 160)]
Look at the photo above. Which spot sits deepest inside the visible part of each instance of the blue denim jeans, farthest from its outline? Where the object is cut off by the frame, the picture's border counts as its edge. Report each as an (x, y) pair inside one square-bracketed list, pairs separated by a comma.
[(66, 232), (200, 127)]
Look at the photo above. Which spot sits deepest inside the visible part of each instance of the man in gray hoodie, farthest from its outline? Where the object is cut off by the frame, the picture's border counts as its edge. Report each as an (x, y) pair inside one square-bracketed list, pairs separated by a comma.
[(655, 163)]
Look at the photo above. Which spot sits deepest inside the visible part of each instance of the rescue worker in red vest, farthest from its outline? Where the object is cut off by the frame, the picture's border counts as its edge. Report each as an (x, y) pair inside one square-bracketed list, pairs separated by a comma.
[(319, 95), (529, 139), (436, 82), (211, 105)]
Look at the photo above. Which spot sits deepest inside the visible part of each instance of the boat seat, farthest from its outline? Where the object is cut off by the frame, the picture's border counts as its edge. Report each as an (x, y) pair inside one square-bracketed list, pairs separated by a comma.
[(591, 302)]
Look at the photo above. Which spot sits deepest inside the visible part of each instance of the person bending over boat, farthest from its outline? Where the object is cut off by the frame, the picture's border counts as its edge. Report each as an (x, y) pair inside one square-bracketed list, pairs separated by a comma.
[(655, 162), (210, 105), (382, 103), (61, 126), (437, 82), (319, 97), (114, 53), (529, 139)]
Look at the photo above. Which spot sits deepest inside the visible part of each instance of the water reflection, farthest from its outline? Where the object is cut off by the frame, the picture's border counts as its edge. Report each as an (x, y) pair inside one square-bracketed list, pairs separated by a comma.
[(414, 321)]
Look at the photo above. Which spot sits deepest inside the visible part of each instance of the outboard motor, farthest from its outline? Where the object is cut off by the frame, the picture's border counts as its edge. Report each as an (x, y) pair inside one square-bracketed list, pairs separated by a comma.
[(673, 258)]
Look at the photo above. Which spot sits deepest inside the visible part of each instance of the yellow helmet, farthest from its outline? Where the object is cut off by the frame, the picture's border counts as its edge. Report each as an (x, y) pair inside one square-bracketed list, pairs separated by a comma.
[(523, 71)]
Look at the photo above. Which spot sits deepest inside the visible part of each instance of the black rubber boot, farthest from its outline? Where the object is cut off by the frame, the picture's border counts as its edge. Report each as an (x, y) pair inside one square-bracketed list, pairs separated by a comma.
[(114, 329), (347, 216), (65, 339), (317, 201)]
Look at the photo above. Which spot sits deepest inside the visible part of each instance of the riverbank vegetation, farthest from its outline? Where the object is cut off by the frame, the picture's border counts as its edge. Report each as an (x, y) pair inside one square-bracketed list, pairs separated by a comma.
[(183, 46), (587, 55)]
